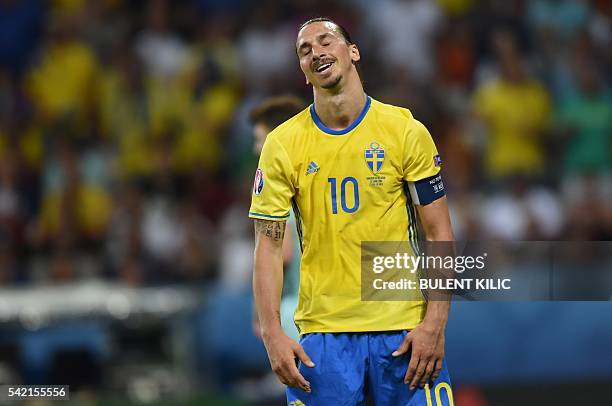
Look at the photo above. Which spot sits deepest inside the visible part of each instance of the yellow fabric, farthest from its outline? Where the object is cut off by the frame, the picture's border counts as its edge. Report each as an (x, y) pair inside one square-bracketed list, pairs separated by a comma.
[(32, 146), (455, 7), (63, 83), (67, 6), (516, 114), (330, 275), (125, 120), (3, 144), (92, 214), (200, 145), (197, 147), (170, 102)]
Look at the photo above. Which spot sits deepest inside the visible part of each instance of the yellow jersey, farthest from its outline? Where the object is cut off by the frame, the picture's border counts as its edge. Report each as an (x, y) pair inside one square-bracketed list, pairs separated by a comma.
[(517, 114), (345, 187)]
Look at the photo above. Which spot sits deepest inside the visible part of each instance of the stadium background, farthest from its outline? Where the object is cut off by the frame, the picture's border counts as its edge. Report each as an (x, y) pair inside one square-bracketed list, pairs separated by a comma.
[(126, 170)]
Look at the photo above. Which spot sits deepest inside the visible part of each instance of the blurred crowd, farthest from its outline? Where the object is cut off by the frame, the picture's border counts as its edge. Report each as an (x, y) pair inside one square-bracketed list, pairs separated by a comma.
[(126, 151)]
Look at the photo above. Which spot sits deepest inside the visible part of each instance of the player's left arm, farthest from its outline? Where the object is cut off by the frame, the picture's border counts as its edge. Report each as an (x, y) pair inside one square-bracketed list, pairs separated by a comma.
[(427, 339), (422, 172)]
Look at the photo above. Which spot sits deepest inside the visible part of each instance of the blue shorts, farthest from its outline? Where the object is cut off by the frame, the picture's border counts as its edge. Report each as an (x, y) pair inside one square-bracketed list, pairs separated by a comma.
[(352, 366)]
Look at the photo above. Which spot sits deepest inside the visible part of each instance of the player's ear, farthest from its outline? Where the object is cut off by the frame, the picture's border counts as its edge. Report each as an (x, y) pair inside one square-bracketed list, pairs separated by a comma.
[(354, 52)]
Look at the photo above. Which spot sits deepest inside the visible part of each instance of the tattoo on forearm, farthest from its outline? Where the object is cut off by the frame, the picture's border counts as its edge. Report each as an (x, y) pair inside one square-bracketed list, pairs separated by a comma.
[(272, 229)]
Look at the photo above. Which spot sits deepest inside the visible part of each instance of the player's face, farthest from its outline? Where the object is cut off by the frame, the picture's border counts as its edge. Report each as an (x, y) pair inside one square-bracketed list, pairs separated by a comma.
[(325, 56), (260, 132)]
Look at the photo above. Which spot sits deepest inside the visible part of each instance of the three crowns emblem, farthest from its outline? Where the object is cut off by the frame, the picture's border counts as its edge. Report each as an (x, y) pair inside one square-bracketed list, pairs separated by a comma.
[(375, 157)]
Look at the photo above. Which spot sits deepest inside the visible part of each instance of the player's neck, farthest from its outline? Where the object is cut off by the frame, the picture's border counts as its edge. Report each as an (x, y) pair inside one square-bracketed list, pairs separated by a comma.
[(339, 109)]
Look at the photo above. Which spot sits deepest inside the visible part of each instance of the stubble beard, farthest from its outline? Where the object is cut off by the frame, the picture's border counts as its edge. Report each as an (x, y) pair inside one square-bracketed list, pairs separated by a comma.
[(332, 84)]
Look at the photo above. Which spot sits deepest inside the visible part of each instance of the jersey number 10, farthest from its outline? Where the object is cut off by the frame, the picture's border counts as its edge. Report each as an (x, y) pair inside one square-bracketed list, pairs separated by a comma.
[(343, 185)]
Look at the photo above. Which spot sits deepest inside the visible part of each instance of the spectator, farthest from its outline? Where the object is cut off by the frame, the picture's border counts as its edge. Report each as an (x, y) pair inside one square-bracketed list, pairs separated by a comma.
[(267, 48), (404, 33), (62, 83), (585, 118), (516, 111), (162, 52)]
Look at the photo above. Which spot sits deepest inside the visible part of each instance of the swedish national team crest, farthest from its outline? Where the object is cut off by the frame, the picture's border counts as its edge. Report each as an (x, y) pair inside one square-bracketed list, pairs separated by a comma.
[(375, 157)]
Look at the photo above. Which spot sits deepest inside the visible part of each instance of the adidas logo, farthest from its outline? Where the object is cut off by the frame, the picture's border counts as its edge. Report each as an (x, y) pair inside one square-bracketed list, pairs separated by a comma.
[(312, 168)]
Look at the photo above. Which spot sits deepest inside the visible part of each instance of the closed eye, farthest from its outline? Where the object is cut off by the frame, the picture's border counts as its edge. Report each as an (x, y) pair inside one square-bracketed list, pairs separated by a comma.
[(305, 50)]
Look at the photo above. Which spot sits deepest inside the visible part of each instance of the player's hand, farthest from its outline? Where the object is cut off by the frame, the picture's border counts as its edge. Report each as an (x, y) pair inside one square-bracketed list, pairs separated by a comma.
[(282, 352), (427, 342)]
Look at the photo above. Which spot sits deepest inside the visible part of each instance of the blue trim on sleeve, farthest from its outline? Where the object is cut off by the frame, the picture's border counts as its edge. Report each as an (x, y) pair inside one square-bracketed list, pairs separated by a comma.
[(429, 189), (252, 213), (355, 123)]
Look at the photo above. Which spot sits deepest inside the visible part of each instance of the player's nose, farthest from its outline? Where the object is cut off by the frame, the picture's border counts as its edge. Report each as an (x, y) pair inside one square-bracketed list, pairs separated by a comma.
[(318, 52), (315, 60)]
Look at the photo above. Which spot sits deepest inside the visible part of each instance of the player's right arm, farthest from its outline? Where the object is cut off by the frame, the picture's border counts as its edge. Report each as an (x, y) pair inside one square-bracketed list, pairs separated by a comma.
[(288, 255), (273, 190), (267, 289)]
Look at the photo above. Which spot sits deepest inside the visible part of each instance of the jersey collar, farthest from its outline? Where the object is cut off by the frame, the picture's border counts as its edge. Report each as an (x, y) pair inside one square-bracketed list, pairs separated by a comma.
[(354, 124)]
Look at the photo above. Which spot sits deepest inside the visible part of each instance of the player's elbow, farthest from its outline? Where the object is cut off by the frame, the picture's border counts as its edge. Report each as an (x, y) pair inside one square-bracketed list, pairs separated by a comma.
[(439, 232)]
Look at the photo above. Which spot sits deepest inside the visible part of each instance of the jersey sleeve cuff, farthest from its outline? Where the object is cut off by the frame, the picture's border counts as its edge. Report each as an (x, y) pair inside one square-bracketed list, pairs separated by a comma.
[(262, 216)]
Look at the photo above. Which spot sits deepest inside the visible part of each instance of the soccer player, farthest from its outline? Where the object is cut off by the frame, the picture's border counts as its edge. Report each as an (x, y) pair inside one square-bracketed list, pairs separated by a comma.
[(264, 117), (352, 169)]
